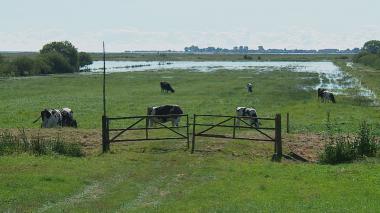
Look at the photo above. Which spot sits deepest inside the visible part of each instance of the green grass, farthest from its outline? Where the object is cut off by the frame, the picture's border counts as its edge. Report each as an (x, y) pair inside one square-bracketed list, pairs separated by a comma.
[(145, 177), (222, 176), (220, 92)]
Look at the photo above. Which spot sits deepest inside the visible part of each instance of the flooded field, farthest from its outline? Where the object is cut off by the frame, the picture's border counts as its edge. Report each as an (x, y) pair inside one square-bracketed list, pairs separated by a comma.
[(330, 76)]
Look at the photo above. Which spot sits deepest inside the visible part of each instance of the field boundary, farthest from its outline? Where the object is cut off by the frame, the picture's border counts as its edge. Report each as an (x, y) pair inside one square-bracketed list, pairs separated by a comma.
[(106, 130)]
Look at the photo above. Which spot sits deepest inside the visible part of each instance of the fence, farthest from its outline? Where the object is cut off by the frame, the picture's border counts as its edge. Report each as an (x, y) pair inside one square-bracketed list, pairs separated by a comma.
[(246, 125), (117, 132)]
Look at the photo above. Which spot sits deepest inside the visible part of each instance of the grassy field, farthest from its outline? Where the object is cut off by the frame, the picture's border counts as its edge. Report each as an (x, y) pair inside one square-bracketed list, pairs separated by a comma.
[(222, 176), (149, 178), (198, 93)]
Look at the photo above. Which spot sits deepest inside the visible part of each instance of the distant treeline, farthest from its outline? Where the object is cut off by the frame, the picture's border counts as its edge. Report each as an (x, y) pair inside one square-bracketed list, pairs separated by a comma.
[(369, 55), (54, 57), (261, 50)]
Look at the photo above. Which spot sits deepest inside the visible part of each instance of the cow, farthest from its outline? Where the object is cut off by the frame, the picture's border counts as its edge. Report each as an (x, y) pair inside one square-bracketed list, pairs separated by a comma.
[(249, 87), (170, 110), (51, 118), (328, 96), (166, 87), (68, 118), (247, 112), (320, 93)]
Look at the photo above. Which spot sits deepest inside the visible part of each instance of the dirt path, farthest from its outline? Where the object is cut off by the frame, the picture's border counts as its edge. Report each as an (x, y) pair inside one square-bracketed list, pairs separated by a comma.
[(307, 145)]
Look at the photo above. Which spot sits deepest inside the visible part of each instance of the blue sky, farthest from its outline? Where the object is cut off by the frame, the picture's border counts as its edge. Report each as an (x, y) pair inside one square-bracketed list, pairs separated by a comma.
[(172, 24)]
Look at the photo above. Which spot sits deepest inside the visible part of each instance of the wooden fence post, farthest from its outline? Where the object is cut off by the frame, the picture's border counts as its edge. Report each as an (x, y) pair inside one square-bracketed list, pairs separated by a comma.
[(278, 142), (105, 134), (287, 123), (328, 117), (187, 131), (193, 141), (234, 131), (146, 128)]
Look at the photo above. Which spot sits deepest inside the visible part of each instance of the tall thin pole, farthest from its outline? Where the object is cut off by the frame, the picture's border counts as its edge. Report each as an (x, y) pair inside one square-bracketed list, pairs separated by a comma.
[(105, 124), (104, 81)]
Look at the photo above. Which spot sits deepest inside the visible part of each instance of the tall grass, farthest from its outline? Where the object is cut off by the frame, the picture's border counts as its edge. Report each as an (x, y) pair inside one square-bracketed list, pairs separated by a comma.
[(16, 144)]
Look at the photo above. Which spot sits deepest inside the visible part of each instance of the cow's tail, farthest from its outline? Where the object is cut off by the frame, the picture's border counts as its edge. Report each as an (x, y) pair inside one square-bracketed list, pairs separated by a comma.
[(333, 98), (37, 119)]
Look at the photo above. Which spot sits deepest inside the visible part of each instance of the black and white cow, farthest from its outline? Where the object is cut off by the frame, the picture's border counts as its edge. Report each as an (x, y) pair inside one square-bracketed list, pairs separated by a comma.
[(51, 118), (249, 87), (68, 118), (166, 87), (320, 92), (247, 112), (328, 96), (170, 110)]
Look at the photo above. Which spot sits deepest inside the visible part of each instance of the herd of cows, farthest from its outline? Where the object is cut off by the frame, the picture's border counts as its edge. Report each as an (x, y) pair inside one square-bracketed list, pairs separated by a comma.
[(52, 118)]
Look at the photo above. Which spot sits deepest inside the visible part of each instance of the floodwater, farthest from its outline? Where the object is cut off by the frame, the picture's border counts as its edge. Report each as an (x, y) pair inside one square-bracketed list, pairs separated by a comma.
[(209, 66), (330, 76)]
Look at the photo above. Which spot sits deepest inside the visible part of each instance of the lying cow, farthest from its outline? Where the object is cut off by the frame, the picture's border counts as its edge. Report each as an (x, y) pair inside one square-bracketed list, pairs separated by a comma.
[(166, 87), (68, 118), (50, 118), (170, 110), (247, 112)]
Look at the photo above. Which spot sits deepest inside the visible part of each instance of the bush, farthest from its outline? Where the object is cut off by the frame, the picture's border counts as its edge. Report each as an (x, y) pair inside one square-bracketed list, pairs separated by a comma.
[(365, 142), (23, 66), (341, 149), (247, 57)]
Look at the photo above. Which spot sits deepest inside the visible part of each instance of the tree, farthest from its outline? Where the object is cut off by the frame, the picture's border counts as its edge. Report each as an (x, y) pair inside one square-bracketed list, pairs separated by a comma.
[(42, 65), (67, 51), (56, 63), (23, 66), (84, 59), (372, 47)]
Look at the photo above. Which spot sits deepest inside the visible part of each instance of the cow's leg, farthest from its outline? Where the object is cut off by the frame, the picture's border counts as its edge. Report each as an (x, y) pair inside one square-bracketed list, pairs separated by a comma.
[(237, 121), (175, 121), (150, 121)]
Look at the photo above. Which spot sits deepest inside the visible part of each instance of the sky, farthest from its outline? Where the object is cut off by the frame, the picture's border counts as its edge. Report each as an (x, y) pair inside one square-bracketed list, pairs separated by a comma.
[(27, 25)]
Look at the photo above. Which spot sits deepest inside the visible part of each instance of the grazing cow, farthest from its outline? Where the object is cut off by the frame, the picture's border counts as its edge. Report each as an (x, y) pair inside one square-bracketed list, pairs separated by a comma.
[(51, 118), (247, 112), (166, 87), (320, 92), (68, 118), (328, 96), (170, 110), (249, 87)]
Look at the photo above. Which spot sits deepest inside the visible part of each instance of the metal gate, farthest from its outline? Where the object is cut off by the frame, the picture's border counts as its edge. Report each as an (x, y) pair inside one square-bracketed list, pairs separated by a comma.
[(205, 132), (113, 135)]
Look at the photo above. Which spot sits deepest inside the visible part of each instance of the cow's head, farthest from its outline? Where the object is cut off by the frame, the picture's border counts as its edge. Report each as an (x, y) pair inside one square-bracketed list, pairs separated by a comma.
[(74, 123), (45, 114)]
